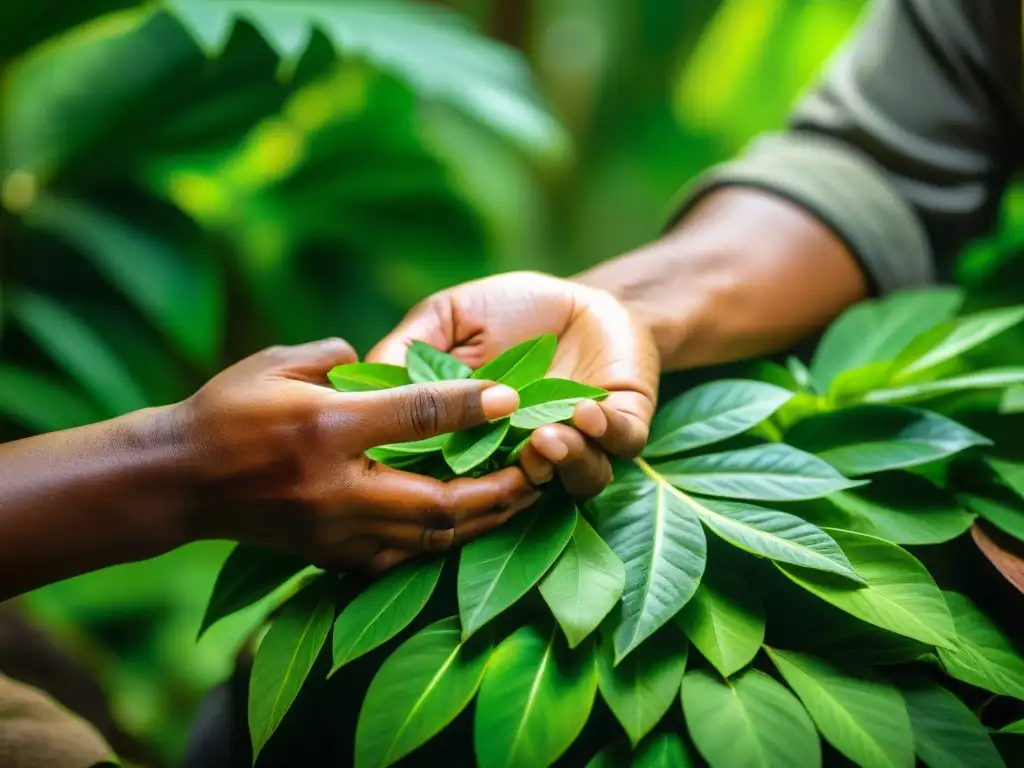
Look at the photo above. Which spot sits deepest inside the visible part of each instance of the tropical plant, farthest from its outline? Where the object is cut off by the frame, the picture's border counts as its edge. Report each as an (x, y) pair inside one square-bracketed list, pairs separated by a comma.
[(758, 571)]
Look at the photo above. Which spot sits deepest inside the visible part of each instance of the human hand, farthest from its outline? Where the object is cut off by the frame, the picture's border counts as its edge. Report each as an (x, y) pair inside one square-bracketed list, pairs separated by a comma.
[(279, 461), (599, 343)]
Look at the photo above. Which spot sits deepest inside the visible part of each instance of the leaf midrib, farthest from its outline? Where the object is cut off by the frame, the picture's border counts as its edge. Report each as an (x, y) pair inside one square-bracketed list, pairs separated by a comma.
[(497, 577), (532, 698), (390, 601)]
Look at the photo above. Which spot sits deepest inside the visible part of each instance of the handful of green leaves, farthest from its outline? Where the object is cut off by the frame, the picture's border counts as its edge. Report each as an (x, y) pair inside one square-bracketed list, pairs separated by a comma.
[(490, 446)]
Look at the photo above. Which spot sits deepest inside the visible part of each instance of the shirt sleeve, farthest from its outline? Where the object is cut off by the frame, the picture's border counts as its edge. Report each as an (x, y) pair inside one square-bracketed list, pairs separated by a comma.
[(904, 147)]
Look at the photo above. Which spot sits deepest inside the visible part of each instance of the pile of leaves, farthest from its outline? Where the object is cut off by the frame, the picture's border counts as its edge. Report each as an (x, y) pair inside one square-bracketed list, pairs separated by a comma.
[(751, 591)]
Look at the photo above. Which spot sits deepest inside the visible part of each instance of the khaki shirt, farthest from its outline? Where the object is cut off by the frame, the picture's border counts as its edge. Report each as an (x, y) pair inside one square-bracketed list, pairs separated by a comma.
[(906, 143)]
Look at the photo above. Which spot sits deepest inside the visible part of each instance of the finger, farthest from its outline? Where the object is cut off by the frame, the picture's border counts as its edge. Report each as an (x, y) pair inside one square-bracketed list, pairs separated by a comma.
[(419, 411), (538, 469), (478, 526), (582, 466), (619, 424), (387, 559), (311, 361), (430, 322)]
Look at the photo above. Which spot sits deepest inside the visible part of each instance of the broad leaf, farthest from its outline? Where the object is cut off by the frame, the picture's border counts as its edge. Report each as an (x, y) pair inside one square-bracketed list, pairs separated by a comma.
[(770, 472), (421, 688), (858, 712), (584, 584), (286, 656), (383, 610), (724, 620), (748, 720), (247, 576), (946, 732), (522, 364), (981, 654), (425, 363), (878, 330), (659, 538), (641, 688), (1014, 728), (776, 535), (466, 450), (498, 569), (866, 439), (661, 750), (535, 699), (952, 339), (992, 378), (712, 412), (41, 404), (367, 377), (615, 755), (548, 401), (900, 594), (1005, 514), (416, 448)]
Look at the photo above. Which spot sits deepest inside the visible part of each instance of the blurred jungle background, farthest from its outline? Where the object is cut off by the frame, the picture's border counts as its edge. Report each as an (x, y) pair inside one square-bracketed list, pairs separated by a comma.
[(179, 190)]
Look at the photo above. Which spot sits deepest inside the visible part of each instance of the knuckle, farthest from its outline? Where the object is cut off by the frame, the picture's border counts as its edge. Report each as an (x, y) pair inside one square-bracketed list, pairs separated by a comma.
[(442, 515), (426, 410)]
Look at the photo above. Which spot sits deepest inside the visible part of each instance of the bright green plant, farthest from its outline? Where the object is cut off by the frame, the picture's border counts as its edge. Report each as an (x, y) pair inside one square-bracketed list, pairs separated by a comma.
[(751, 568)]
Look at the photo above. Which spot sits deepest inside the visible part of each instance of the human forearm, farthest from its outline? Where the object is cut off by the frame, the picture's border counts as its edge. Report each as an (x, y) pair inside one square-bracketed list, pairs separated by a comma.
[(744, 273)]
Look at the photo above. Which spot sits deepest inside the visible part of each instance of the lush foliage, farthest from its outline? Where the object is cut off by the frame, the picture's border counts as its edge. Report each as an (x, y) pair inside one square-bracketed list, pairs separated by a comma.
[(675, 588)]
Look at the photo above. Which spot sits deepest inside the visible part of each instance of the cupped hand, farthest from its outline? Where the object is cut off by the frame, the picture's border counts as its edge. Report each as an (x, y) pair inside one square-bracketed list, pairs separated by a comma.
[(599, 343), (279, 461)]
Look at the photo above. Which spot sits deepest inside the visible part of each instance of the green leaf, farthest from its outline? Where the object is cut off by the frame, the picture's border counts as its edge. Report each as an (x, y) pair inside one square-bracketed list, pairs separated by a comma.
[(584, 584), (951, 340), (900, 594), (981, 654), (499, 568), (286, 656), (534, 701), (946, 732), (41, 404), (470, 448), (383, 610), (247, 576), (866, 439), (878, 330), (522, 364), (415, 448), (417, 691), (748, 720), (992, 378), (712, 412), (661, 750), (1014, 728), (615, 755), (905, 509), (725, 621), (425, 363), (548, 401), (640, 689), (771, 472), (367, 377), (1010, 472), (78, 350), (1005, 514), (776, 535), (859, 713), (659, 538)]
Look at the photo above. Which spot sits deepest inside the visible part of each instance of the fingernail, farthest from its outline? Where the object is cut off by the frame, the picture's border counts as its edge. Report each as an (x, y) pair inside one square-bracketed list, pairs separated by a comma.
[(550, 447), (498, 401), (590, 418)]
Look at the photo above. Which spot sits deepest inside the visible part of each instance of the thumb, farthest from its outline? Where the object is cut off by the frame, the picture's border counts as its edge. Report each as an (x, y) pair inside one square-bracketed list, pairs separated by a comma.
[(419, 411)]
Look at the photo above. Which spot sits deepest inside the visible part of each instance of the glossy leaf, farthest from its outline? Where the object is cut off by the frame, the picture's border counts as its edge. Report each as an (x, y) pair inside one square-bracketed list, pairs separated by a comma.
[(535, 699), (981, 654), (712, 412), (879, 329), (367, 377), (725, 621), (641, 688), (749, 720), (498, 569), (659, 538), (952, 339), (548, 401), (416, 448), (470, 448), (417, 691), (776, 535), (1006, 514), (1010, 472), (424, 363), (858, 712), (286, 656), (866, 439), (900, 594), (383, 609), (946, 732), (993, 378), (247, 576), (42, 404), (770, 472), (662, 750), (1016, 728), (522, 364), (584, 584)]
